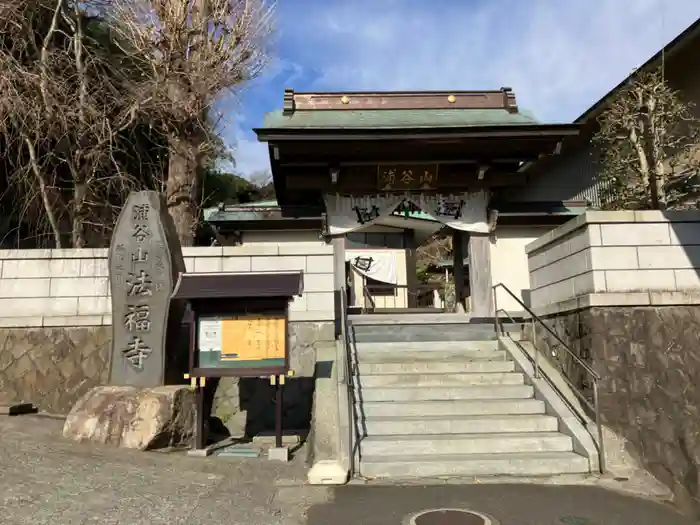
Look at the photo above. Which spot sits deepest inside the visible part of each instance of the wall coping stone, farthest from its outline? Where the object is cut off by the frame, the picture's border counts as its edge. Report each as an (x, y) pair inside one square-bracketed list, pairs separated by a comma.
[(622, 299), (76, 321), (610, 217), (243, 250)]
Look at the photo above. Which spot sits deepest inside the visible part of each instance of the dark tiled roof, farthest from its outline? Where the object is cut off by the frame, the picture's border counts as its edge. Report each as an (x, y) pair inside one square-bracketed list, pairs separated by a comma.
[(238, 285)]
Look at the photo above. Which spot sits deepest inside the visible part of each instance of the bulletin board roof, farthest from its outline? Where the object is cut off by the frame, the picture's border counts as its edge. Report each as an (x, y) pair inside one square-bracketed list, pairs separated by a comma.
[(238, 285)]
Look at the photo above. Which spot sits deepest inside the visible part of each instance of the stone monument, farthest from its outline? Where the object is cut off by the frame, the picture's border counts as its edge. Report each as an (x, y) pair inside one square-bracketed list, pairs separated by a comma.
[(145, 259)]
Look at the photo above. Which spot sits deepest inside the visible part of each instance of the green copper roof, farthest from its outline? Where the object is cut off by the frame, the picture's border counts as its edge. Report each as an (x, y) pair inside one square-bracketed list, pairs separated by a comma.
[(396, 118), (215, 214)]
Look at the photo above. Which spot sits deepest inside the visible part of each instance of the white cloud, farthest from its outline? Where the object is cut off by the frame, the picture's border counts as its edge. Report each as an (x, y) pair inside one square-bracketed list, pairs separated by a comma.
[(558, 56), (251, 156)]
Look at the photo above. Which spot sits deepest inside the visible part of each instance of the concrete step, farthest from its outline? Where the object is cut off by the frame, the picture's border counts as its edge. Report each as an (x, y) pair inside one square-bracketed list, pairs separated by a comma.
[(494, 443), (423, 425), (431, 356), (532, 464), (429, 346), (452, 408), (445, 393), (409, 319), (443, 380), (422, 332), (380, 365)]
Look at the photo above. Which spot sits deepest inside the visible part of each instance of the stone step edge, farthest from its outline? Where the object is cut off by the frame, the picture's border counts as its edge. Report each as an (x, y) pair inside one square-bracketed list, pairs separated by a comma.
[(476, 417), (390, 438), (467, 458)]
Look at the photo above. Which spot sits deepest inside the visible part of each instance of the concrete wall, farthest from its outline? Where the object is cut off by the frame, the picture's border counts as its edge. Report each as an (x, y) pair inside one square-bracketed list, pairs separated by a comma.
[(71, 287), (509, 263), (55, 323), (619, 258)]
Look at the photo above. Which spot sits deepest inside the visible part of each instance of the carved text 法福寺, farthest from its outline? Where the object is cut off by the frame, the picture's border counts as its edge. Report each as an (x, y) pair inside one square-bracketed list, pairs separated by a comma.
[(137, 318), (136, 352), (139, 287)]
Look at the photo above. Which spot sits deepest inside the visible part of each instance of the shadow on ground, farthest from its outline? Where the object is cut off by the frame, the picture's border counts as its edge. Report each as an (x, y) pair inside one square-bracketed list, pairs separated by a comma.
[(509, 504)]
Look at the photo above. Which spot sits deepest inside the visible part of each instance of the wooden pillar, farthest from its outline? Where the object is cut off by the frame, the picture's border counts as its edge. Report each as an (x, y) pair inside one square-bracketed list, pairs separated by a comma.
[(411, 268), (480, 275), (458, 265)]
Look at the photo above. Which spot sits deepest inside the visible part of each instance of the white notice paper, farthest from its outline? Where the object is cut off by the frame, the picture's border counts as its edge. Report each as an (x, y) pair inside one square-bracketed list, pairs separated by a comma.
[(210, 336)]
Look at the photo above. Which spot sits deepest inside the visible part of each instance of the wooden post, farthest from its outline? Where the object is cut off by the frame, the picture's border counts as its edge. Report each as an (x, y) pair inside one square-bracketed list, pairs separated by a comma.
[(200, 438), (278, 411), (458, 265), (480, 275), (411, 268)]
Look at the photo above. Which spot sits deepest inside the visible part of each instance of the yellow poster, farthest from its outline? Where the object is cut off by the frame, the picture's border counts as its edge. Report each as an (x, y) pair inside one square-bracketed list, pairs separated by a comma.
[(253, 338)]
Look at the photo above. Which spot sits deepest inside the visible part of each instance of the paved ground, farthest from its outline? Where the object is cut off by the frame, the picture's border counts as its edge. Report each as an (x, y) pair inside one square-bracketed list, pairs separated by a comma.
[(46, 480)]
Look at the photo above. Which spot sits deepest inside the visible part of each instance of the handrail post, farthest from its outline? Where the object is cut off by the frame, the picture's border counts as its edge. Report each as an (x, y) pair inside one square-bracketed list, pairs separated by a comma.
[(586, 367), (495, 311), (599, 424), (534, 345)]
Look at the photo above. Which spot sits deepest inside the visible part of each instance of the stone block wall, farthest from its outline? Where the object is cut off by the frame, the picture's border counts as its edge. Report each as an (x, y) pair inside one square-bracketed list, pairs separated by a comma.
[(649, 362), (55, 320), (623, 258), (622, 290)]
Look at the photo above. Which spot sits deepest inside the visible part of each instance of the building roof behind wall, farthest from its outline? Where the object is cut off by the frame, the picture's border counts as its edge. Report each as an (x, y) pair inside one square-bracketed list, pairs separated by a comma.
[(588, 119), (253, 211), (688, 36)]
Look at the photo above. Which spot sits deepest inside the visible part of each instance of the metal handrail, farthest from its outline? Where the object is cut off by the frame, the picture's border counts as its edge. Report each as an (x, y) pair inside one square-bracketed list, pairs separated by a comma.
[(349, 379), (578, 360), (595, 406)]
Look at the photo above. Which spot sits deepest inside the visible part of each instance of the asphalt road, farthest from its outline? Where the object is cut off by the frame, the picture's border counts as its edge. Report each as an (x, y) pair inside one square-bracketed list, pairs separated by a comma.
[(509, 504), (45, 479)]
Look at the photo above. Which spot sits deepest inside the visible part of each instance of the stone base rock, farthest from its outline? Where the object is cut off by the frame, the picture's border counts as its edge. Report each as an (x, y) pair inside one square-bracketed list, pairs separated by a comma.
[(130, 417)]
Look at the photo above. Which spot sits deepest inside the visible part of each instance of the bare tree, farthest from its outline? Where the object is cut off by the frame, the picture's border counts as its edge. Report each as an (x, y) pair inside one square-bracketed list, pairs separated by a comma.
[(194, 52), (435, 250), (648, 141), (66, 106)]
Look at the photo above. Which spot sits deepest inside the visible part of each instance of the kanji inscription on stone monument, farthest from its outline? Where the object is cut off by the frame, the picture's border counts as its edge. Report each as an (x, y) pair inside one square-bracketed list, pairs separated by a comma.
[(141, 278)]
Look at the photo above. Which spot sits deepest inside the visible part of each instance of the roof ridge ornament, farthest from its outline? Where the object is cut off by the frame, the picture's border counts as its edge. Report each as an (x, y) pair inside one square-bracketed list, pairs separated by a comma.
[(509, 103), (503, 99), (289, 105)]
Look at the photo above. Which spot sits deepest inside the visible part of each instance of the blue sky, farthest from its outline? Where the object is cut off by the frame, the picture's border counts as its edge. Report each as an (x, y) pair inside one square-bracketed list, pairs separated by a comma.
[(559, 56)]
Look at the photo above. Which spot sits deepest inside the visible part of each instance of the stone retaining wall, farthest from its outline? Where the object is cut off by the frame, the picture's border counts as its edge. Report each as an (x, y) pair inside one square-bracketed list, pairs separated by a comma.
[(649, 361), (53, 367), (55, 323)]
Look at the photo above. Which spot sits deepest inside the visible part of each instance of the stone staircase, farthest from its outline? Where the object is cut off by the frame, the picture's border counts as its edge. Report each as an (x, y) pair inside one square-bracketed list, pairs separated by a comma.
[(445, 399)]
